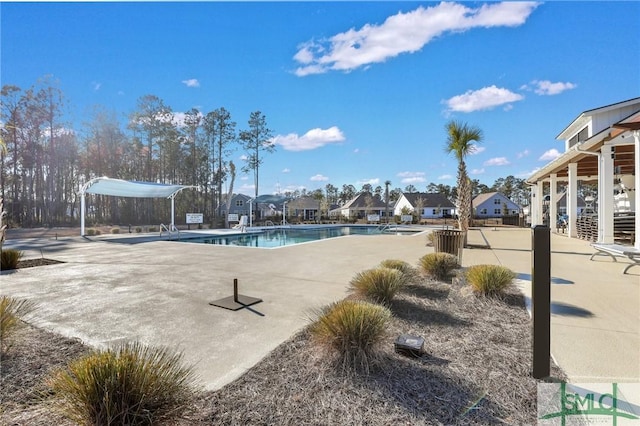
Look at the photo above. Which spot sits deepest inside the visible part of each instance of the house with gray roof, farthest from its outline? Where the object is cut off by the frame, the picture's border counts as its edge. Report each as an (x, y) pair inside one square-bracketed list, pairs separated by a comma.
[(362, 206), (493, 205)]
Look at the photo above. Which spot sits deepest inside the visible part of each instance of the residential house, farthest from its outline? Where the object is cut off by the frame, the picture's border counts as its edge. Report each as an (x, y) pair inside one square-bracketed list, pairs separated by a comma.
[(432, 205), (493, 204), (304, 208), (362, 206), (239, 205)]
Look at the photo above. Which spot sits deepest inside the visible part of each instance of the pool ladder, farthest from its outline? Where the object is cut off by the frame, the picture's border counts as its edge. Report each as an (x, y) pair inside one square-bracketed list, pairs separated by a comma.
[(171, 229)]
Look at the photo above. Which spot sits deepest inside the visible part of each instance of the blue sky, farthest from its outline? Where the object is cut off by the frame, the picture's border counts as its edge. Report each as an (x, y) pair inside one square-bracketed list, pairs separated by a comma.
[(355, 92)]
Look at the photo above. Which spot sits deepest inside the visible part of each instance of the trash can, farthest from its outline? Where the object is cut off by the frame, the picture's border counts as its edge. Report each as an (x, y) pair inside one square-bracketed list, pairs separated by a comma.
[(449, 241)]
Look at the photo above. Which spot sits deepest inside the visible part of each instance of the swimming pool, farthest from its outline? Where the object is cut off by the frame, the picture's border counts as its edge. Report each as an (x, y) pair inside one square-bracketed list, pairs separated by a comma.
[(280, 237)]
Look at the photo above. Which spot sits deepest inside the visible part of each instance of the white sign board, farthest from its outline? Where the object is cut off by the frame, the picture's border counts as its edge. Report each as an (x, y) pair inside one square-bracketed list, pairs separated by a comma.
[(233, 217), (406, 218), (373, 218), (194, 218)]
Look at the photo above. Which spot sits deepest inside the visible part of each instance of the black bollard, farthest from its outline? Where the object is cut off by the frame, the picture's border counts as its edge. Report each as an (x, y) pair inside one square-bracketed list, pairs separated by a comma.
[(541, 300)]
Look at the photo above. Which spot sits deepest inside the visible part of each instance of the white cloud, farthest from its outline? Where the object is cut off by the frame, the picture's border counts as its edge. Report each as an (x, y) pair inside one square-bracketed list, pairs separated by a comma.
[(475, 149), (482, 99), (523, 153), (314, 138), (96, 86), (549, 155), (403, 33), (357, 150), (374, 181), (497, 161), (412, 177), (445, 177), (192, 82), (286, 170), (319, 178), (548, 88), (525, 174), (477, 171)]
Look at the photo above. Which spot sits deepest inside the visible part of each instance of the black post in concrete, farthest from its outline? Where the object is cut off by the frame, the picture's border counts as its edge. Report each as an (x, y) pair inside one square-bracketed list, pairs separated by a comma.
[(541, 300)]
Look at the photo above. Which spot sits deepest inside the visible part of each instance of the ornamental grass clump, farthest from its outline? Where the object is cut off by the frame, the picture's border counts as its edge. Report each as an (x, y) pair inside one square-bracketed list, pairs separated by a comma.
[(352, 328), (130, 385), (400, 265), (379, 284), (9, 258), (489, 280), (439, 265), (11, 312)]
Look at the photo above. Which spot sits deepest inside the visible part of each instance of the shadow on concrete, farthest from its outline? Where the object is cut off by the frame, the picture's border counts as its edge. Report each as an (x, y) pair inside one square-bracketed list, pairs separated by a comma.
[(567, 310)]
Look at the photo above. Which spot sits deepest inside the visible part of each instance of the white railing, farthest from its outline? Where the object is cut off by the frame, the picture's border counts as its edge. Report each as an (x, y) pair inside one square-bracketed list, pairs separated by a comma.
[(269, 223), (171, 229)]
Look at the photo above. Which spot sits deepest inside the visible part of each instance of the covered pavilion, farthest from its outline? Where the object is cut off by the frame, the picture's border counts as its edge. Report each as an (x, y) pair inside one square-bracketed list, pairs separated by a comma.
[(125, 188), (602, 146)]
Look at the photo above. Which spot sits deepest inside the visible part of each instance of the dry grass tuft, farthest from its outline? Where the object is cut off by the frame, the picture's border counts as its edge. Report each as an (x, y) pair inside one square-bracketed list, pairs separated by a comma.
[(379, 284), (351, 329), (132, 384), (439, 265), (489, 280), (12, 312)]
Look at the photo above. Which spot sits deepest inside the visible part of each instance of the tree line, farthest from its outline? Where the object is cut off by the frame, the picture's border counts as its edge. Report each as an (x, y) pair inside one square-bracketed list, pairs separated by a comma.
[(44, 161)]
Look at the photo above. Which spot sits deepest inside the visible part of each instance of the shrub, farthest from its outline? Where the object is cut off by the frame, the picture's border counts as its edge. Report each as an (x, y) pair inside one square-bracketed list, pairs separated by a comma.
[(430, 239), (130, 385), (379, 284), (400, 265), (91, 232), (153, 229), (352, 328), (439, 265), (138, 229), (489, 280), (11, 311), (9, 258), (115, 230)]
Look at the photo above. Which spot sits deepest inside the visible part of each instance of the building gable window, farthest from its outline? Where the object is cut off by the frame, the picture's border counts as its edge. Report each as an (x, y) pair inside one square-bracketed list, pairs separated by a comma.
[(496, 201), (497, 211), (483, 211), (239, 203)]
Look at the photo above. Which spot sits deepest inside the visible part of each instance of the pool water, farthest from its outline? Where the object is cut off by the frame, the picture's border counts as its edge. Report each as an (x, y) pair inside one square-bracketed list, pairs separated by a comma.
[(285, 236)]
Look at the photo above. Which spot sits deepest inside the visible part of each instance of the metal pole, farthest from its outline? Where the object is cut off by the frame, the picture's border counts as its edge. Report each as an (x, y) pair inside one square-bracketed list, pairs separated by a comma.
[(541, 300), (82, 214), (235, 290)]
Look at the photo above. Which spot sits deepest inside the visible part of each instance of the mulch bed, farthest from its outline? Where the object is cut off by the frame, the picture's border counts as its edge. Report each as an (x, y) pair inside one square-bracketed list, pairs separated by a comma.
[(475, 369)]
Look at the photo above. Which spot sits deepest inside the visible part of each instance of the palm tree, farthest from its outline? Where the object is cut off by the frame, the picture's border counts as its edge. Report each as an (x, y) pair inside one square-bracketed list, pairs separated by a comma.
[(459, 142)]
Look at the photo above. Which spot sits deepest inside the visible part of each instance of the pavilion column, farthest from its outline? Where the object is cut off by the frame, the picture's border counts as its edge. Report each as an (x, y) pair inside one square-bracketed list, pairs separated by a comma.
[(605, 195), (537, 196), (636, 136), (553, 205), (82, 195), (572, 200)]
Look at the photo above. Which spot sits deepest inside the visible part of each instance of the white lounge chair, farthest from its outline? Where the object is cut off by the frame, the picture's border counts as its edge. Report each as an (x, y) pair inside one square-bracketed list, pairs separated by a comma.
[(242, 225)]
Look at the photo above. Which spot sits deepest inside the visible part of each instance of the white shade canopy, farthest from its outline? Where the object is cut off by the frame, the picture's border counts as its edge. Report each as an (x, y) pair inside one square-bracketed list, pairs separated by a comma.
[(124, 188)]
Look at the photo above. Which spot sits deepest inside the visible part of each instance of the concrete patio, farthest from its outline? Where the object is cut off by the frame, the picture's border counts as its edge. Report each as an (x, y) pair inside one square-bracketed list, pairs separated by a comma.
[(159, 292)]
